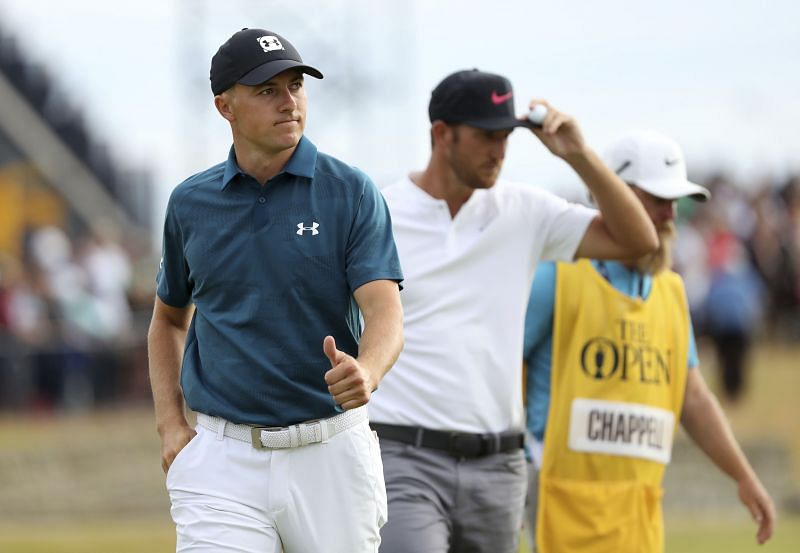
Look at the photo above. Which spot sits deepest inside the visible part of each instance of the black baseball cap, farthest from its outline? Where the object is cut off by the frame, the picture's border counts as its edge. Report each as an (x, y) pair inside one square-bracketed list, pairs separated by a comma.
[(253, 56), (475, 98)]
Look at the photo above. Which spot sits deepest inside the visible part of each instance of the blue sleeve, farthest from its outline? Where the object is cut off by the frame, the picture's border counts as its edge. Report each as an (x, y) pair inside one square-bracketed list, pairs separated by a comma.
[(371, 250), (173, 284), (539, 316), (538, 346), (694, 360)]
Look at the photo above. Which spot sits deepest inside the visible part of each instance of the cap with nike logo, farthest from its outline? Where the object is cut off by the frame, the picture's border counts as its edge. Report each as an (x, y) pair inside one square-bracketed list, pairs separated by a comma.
[(653, 162), (475, 98)]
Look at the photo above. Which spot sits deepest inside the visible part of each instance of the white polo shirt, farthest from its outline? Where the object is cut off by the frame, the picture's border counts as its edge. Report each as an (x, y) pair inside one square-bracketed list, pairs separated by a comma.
[(466, 288)]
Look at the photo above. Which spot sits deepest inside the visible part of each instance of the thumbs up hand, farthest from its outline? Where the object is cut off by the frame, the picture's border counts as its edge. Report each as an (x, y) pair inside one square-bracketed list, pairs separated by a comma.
[(348, 381)]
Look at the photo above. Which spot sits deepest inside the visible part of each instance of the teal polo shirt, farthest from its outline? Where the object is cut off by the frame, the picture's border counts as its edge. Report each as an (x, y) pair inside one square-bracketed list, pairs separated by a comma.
[(271, 271)]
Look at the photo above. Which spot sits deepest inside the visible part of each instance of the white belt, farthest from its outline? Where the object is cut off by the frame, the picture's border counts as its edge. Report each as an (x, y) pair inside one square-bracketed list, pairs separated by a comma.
[(277, 437)]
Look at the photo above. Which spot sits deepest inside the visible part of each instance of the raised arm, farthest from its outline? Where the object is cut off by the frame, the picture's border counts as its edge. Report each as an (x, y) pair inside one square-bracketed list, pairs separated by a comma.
[(165, 342), (351, 381), (705, 422), (623, 229)]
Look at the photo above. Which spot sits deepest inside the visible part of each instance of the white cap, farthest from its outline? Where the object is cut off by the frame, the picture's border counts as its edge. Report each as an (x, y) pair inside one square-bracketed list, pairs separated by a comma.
[(654, 163)]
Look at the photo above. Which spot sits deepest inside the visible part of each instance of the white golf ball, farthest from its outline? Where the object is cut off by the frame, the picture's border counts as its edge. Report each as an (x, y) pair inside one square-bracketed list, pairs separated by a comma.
[(537, 114)]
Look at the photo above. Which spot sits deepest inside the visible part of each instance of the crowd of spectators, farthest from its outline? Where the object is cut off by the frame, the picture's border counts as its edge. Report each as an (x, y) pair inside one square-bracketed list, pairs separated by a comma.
[(73, 315), (73, 308), (739, 255), (71, 321)]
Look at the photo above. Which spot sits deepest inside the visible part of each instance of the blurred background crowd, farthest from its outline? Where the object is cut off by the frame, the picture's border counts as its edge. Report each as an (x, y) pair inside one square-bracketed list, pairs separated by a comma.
[(76, 259), (739, 255), (72, 321), (75, 301)]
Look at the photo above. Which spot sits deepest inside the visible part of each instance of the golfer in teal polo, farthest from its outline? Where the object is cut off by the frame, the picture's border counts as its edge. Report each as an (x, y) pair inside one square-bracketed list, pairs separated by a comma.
[(271, 260)]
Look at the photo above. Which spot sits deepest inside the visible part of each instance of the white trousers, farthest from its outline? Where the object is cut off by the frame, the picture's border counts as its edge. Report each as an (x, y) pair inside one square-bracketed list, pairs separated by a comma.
[(228, 496)]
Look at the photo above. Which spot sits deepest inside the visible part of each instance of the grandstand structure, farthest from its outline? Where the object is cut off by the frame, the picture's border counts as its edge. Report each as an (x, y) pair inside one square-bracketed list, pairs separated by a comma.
[(54, 170), (74, 225)]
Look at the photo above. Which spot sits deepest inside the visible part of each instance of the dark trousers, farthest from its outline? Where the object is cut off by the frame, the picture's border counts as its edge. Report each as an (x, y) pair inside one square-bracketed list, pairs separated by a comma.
[(732, 348)]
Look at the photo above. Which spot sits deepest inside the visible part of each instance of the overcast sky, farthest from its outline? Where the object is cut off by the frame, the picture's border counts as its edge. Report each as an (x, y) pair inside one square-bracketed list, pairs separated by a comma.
[(720, 76)]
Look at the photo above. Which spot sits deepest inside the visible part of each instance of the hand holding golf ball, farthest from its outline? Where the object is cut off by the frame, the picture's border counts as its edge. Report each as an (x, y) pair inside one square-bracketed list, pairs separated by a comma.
[(537, 114)]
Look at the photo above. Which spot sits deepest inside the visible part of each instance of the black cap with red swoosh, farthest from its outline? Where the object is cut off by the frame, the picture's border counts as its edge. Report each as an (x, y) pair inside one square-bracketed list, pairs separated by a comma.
[(475, 98)]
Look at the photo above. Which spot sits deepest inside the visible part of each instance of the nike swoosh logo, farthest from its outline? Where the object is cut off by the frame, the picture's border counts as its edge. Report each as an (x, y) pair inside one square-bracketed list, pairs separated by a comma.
[(672, 161), (500, 98)]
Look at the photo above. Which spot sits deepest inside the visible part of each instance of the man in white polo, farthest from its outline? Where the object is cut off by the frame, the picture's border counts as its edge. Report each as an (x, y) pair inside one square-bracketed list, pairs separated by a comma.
[(450, 415)]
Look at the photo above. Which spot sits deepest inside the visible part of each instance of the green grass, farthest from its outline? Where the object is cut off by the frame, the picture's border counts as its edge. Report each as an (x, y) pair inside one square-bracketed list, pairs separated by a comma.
[(92, 483), (683, 536), (733, 535), (89, 537), (730, 536), (769, 407)]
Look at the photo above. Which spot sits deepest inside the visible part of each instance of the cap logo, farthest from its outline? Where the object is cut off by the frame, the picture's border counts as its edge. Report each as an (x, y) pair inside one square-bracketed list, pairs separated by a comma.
[(498, 99), (621, 168), (270, 43), (671, 161)]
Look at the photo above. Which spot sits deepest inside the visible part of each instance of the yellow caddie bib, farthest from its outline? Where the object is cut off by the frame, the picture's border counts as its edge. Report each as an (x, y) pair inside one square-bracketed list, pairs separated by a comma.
[(618, 377)]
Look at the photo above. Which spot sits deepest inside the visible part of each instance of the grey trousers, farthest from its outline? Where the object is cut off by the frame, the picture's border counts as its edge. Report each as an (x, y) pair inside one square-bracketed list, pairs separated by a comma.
[(442, 504), (531, 507)]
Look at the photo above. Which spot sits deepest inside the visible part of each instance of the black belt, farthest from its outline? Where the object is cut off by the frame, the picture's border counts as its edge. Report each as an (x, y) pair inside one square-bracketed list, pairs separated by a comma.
[(457, 444)]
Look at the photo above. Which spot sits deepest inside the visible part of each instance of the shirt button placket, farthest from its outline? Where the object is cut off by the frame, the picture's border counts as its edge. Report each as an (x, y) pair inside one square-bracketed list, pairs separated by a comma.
[(260, 212)]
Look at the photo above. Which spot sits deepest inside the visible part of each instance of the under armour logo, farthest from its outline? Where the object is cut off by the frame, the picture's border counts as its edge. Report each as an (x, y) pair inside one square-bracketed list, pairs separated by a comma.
[(269, 43), (313, 228)]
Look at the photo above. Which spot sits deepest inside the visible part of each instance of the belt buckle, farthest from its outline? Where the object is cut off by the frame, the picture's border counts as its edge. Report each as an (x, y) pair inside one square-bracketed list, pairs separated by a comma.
[(255, 436), (453, 449), (491, 443), (313, 431)]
